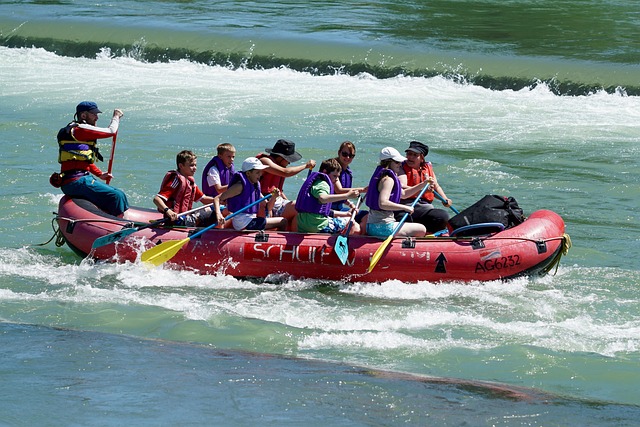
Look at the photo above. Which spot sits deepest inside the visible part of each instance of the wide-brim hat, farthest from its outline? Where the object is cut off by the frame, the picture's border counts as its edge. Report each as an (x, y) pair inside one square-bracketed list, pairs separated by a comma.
[(418, 147), (285, 149)]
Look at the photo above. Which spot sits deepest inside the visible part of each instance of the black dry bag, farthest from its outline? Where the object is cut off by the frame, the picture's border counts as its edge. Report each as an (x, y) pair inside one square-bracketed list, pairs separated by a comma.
[(489, 209)]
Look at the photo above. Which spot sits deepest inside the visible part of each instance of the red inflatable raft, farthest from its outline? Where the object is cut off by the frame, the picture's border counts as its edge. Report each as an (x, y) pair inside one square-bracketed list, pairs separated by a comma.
[(532, 248)]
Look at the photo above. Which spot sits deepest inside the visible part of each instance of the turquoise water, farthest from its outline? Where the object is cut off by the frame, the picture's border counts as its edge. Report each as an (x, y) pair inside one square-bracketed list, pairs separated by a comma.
[(524, 99)]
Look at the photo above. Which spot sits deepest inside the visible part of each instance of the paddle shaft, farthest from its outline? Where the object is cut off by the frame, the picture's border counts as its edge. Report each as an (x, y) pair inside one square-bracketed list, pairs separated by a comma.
[(113, 152), (228, 217), (164, 251), (406, 214), (342, 241), (442, 199), (121, 234), (180, 215), (353, 214), (378, 254)]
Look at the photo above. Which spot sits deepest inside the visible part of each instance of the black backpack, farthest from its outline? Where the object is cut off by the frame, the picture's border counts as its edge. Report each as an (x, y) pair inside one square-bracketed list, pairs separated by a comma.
[(489, 209)]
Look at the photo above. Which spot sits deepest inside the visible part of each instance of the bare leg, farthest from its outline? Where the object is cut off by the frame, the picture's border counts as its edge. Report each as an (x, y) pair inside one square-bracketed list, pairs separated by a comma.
[(290, 214)]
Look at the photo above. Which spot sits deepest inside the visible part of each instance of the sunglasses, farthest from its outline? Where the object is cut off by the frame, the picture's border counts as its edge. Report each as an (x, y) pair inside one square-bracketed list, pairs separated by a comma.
[(347, 155)]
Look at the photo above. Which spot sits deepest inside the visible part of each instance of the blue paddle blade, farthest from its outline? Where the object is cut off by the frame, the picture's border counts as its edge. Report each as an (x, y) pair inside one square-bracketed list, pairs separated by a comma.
[(113, 237), (341, 248)]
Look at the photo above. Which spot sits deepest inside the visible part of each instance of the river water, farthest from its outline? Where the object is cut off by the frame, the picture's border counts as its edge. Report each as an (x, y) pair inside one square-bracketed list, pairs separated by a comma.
[(536, 100)]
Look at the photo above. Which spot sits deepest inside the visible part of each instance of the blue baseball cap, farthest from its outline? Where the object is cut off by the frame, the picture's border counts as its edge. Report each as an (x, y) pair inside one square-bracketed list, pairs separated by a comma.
[(89, 106)]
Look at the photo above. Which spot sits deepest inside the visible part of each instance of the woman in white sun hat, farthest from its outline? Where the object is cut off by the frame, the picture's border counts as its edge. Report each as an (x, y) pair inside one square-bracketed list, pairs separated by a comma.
[(384, 195), (244, 189)]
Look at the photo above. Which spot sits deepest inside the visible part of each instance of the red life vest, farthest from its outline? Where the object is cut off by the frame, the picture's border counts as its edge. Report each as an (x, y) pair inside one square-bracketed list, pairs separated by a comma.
[(182, 200), (269, 180), (416, 176)]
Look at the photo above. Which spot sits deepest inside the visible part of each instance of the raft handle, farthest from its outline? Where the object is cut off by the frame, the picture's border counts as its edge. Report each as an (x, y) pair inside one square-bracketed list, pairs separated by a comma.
[(409, 243), (542, 246), (70, 226), (261, 237), (477, 243)]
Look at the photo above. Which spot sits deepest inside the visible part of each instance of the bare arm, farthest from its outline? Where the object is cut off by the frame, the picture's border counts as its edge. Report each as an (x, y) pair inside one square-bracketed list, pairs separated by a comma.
[(385, 186), (286, 172), (330, 198), (161, 204), (448, 202), (410, 191), (232, 191)]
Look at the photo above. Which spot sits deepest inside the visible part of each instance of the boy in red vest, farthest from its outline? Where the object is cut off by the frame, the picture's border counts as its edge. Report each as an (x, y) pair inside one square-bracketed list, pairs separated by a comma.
[(179, 191)]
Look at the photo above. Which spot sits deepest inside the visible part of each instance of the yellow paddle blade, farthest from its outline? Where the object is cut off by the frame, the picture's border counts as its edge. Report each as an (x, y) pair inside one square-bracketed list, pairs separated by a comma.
[(163, 252), (376, 256)]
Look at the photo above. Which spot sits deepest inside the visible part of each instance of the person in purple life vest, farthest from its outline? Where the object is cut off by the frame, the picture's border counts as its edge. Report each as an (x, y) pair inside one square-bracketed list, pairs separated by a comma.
[(315, 198), (245, 189), (384, 195), (217, 174), (346, 154)]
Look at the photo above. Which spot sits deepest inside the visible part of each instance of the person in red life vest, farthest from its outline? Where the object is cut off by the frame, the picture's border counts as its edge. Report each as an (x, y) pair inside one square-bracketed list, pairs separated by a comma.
[(77, 154), (179, 191), (384, 195), (245, 189), (277, 160), (316, 195), (416, 170), (217, 174)]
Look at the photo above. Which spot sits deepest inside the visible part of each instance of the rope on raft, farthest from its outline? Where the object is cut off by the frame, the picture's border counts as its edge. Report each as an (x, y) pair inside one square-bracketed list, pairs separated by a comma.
[(59, 237), (555, 262)]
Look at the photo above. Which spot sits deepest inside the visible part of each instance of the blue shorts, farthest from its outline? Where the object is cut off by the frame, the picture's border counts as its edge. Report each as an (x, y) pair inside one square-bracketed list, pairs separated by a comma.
[(335, 225), (383, 229)]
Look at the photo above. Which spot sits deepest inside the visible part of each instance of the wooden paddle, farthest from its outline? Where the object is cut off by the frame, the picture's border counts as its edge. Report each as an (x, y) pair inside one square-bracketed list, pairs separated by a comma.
[(341, 247), (163, 252), (378, 254), (113, 152), (118, 235)]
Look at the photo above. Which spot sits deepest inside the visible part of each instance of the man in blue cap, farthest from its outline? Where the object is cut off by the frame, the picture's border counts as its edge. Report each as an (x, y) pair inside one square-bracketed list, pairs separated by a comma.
[(78, 152)]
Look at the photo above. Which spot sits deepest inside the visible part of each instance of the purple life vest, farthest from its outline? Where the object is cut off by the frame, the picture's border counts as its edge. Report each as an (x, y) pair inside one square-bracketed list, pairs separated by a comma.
[(373, 194), (250, 193), (226, 173), (309, 204), (346, 179)]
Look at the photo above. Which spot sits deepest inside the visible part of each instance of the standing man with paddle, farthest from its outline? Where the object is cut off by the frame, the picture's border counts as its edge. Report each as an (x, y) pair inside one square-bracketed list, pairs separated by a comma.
[(78, 152), (179, 191)]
